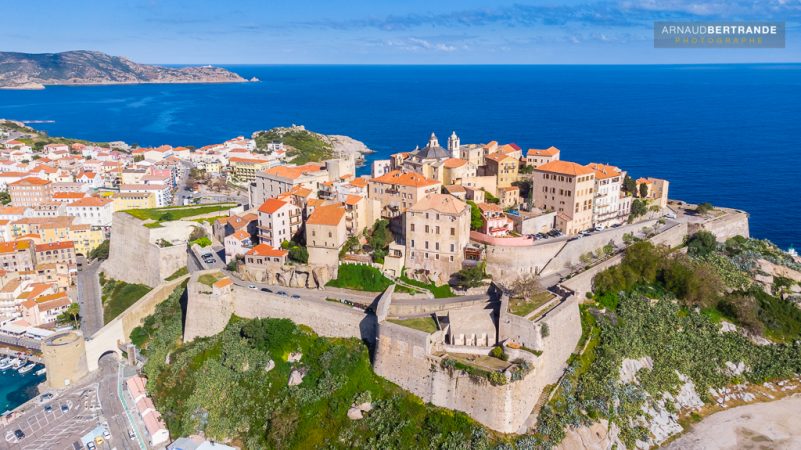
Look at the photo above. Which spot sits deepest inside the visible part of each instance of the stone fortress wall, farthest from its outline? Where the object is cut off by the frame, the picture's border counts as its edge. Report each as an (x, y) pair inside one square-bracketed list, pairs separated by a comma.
[(207, 314), (407, 357), (134, 257)]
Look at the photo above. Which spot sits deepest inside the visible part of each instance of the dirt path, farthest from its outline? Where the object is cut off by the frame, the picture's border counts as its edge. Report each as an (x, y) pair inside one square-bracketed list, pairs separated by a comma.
[(770, 426)]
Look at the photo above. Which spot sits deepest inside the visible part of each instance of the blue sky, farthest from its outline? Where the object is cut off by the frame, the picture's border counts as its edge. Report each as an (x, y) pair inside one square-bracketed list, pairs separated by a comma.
[(384, 31)]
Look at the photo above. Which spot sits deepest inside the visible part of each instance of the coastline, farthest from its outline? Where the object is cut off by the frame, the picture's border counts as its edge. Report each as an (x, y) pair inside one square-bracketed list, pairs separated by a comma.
[(41, 86)]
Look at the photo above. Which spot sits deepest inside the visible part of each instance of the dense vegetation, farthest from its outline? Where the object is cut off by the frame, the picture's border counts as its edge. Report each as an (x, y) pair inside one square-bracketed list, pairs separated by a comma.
[(443, 291), (297, 251), (219, 386), (716, 278), (378, 239), (101, 251), (118, 295), (360, 277), (658, 303), (302, 146)]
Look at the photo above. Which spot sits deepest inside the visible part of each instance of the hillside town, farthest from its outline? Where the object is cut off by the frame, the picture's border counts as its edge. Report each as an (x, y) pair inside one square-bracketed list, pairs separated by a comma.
[(494, 245)]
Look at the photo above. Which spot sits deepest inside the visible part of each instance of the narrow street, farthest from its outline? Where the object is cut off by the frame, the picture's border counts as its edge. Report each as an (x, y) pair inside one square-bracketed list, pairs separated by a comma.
[(89, 298)]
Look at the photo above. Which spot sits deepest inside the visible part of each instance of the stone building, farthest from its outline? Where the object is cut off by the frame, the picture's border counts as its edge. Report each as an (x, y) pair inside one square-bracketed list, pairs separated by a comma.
[(397, 191), (280, 179), (325, 235), (566, 188), (657, 190), (503, 167), (437, 230)]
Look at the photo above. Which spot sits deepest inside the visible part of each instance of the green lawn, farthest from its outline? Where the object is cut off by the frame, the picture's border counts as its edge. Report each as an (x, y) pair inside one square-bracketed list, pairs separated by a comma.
[(522, 307), (426, 324), (209, 278), (169, 213), (118, 296), (178, 274), (360, 278), (443, 291)]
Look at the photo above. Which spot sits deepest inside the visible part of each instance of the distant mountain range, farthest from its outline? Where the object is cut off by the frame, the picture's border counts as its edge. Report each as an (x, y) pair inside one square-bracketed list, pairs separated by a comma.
[(81, 67)]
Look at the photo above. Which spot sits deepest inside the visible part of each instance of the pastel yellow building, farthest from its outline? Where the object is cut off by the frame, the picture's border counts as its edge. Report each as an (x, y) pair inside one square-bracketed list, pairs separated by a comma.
[(133, 200)]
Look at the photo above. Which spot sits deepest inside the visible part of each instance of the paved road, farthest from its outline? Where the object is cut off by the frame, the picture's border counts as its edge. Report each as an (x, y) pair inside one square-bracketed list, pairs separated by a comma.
[(89, 298), (109, 393)]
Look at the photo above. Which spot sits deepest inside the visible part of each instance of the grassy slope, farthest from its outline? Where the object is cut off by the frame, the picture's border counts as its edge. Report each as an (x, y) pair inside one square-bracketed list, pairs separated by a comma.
[(118, 296)]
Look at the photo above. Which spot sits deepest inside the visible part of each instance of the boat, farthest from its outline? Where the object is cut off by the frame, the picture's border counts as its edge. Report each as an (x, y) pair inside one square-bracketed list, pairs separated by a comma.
[(5, 363), (26, 369), (16, 363), (41, 372)]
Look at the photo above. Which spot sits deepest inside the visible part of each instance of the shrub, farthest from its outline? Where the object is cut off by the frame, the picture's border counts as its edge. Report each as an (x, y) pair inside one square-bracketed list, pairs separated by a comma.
[(497, 352), (701, 243), (545, 331)]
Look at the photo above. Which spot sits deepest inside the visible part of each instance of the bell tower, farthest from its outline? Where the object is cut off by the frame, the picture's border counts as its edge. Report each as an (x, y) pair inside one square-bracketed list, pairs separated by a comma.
[(453, 145)]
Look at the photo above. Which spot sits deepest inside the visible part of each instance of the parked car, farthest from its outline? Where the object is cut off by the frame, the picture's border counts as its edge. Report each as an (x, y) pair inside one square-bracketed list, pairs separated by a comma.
[(131, 434), (77, 445), (106, 434), (64, 407), (90, 445), (266, 290), (282, 293), (296, 296), (48, 408), (19, 434), (251, 286), (46, 396), (99, 440)]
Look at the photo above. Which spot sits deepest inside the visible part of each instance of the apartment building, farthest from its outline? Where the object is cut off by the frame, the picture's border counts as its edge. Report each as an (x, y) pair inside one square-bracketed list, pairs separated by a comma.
[(30, 191), (611, 205), (437, 231), (17, 256), (94, 211), (56, 253), (536, 157), (504, 167), (397, 191), (566, 188), (245, 169), (495, 222), (280, 179), (279, 221)]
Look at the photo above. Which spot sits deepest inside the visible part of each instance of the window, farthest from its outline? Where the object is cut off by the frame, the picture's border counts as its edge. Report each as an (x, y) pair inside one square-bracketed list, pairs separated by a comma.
[(412, 227)]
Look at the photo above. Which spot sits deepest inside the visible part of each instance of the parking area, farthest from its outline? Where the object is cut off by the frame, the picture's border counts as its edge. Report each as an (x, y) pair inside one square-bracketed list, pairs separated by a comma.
[(55, 423)]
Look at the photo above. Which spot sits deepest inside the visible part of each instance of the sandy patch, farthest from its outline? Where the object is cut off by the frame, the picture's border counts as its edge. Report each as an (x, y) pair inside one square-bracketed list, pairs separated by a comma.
[(769, 426)]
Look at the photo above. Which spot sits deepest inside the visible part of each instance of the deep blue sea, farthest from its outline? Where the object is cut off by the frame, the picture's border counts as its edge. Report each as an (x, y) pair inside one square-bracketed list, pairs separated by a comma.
[(16, 389), (727, 134)]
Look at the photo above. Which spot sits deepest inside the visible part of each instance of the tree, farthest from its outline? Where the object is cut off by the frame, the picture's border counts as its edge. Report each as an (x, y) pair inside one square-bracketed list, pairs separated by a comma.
[(638, 208), (525, 287), (72, 314), (470, 277), (101, 251), (491, 198), (704, 208), (476, 218), (629, 185), (701, 243), (643, 190), (5, 198)]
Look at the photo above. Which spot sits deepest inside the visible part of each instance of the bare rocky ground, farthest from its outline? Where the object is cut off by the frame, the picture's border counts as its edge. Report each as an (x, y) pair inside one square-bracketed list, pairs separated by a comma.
[(771, 425)]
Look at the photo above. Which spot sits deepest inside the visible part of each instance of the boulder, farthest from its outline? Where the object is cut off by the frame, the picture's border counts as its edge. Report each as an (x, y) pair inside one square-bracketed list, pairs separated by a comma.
[(269, 366), (296, 377), (365, 407), (294, 357), (355, 414)]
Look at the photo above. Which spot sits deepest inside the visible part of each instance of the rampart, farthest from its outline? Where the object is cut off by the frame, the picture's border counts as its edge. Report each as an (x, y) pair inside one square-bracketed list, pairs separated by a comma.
[(506, 263), (208, 314), (732, 223), (135, 258), (118, 331), (413, 360)]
